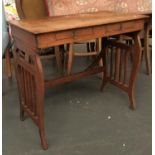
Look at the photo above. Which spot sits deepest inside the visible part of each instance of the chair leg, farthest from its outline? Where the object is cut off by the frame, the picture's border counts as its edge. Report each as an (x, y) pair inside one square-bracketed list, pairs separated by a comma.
[(146, 50), (92, 47), (98, 50), (58, 55), (69, 58), (88, 49), (8, 63)]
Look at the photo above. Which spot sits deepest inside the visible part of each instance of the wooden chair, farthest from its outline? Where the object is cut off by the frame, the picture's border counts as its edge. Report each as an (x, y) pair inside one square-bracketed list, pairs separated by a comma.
[(93, 49), (68, 10), (35, 9), (145, 36)]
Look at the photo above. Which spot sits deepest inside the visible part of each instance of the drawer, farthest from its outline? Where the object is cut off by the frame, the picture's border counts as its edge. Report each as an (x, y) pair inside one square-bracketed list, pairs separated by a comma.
[(113, 27), (44, 40), (83, 32), (63, 35), (100, 29), (132, 25)]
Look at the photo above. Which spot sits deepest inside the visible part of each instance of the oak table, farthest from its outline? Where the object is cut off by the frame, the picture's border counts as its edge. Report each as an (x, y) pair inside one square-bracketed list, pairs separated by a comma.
[(32, 35)]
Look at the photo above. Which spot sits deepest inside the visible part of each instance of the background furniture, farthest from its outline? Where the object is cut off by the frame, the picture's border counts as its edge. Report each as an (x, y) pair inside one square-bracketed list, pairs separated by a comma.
[(31, 9), (147, 34), (25, 9), (141, 7), (6, 43), (62, 7), (95, 50)]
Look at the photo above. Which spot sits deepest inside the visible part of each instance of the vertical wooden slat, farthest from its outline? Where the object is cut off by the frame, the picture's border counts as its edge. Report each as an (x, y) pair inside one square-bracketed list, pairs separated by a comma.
[(30, 93), (126, 66), (120, 65), (34, 96), (22, 85), (111, 62), (28, 90), (117, 63), (70, 59), (24, 89)]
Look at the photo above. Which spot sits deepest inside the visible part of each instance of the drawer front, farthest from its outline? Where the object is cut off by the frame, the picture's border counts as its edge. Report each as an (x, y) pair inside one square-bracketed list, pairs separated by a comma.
[(76, 35), (83, 32), (113, 27), (100, 29), (132, 25), (63, 35)]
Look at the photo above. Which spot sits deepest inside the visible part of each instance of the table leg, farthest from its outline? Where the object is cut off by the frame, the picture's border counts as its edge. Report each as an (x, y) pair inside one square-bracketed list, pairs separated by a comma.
[(30, 80), (135, 67), (116, 66)]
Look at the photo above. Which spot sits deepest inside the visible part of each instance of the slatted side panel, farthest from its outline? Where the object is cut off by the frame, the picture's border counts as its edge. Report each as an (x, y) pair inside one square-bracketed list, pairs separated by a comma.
[(27, 84), (118, 64)]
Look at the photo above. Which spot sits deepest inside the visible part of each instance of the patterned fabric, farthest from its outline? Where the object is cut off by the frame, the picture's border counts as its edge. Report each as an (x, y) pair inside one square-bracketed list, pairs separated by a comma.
[(133, 5), (65, 7)]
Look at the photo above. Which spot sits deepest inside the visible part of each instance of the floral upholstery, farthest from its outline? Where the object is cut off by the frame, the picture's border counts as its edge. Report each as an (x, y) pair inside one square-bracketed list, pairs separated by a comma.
[(133, 5), (65, 7)]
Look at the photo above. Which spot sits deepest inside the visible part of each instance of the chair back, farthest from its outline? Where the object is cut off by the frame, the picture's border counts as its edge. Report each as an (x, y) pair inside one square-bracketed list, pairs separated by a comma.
[(31, 9)]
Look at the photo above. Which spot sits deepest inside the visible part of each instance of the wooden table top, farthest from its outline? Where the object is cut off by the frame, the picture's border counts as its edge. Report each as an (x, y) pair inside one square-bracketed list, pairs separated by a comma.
[(60, 23)]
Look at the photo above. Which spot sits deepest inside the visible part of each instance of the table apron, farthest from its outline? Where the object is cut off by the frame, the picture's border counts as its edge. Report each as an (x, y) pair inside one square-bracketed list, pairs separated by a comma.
[(88, 33)]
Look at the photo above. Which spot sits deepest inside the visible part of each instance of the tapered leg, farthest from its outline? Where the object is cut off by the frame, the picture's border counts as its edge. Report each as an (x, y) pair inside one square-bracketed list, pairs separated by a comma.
[(40, 91), (132, 100), (43, 138)]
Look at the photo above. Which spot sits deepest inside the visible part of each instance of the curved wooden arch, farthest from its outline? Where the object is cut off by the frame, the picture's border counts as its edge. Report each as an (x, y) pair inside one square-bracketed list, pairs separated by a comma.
[(31, 9)]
